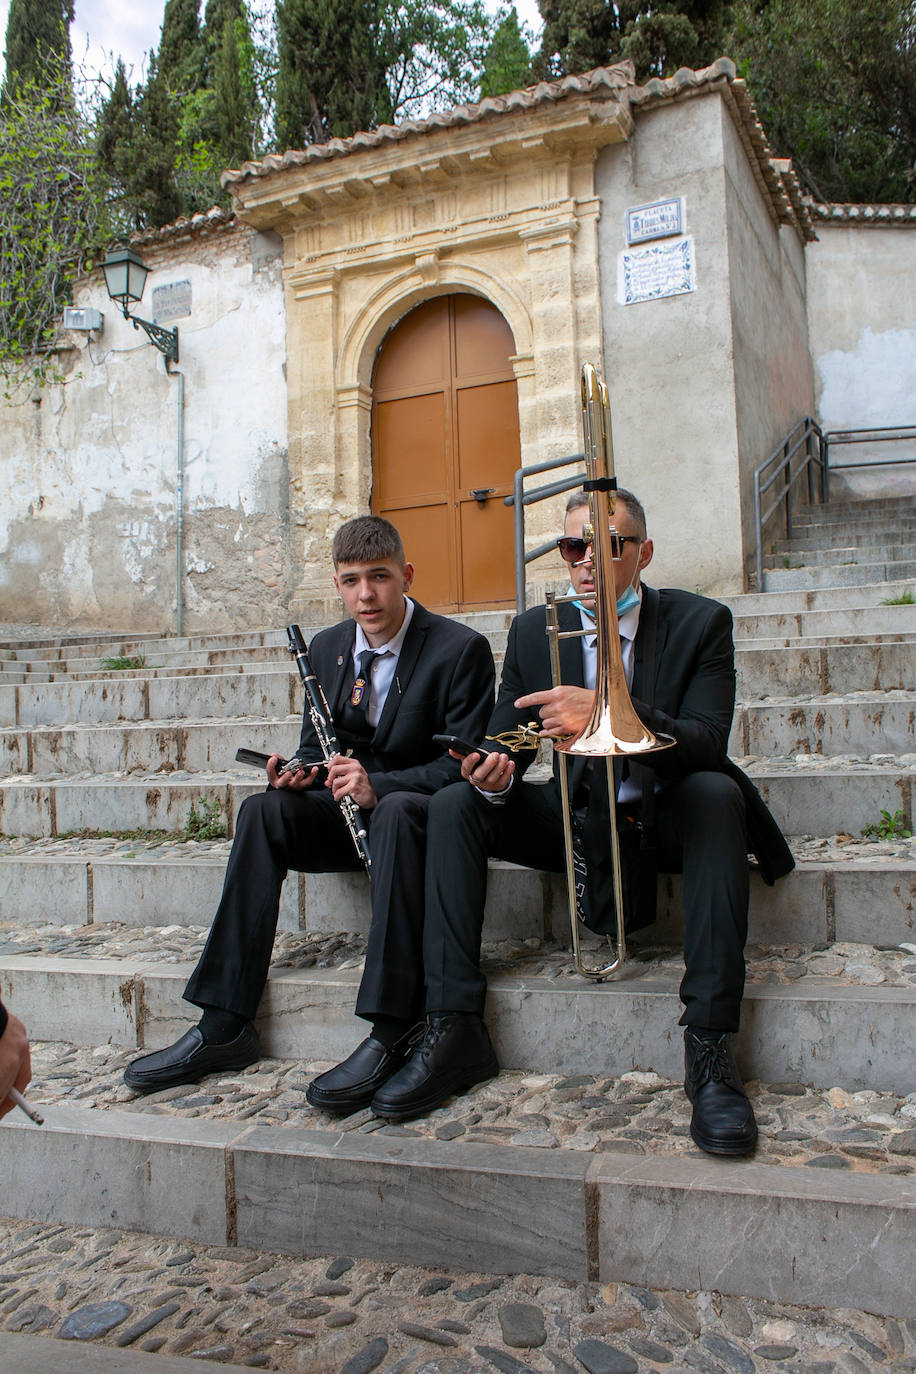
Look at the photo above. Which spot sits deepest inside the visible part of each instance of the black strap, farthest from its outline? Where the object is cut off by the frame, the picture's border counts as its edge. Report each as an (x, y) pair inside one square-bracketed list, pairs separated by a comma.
[(600, 484)]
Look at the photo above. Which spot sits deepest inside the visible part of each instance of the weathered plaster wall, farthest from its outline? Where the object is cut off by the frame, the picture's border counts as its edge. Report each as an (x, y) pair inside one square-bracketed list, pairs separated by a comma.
[(669, 362), (88, 467), (862, 323), (773, 376)]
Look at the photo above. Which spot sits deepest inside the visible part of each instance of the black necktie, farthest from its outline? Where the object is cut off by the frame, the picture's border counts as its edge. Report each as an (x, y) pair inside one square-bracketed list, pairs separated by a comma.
[(359, 697)]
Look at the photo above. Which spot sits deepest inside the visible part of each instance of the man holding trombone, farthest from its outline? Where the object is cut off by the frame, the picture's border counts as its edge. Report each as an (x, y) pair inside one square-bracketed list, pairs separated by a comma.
[(687, 808)]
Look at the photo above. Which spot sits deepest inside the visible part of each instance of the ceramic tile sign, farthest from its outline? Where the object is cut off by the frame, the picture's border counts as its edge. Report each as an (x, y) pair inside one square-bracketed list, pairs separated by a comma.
[(659, 270), (171, 302), (659, 220)]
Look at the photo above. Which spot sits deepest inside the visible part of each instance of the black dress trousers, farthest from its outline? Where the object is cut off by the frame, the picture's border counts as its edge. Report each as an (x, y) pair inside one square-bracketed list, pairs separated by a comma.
[(700, 832), (278, 830)]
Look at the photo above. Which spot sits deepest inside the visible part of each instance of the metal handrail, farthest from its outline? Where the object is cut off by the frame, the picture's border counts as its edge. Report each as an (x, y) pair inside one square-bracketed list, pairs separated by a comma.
[(806, 433), (884, 435), (818, 444), (521, 498)]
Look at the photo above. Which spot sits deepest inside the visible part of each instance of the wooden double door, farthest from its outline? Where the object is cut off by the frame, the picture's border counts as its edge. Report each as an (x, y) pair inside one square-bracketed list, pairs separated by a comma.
[(445, 448)]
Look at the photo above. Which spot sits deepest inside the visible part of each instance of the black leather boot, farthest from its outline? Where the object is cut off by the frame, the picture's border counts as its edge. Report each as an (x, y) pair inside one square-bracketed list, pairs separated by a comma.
[(723, 1118), (453, 1053)]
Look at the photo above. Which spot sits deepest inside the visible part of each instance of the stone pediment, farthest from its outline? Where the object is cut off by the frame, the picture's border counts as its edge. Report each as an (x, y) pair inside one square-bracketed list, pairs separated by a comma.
[(503, 136)]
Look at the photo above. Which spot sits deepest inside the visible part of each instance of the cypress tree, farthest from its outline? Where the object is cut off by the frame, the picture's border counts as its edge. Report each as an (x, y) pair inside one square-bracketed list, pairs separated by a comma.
[(231, 114), (507, 64), (181, 60), (331, 77), (658, 37), (38, 41)]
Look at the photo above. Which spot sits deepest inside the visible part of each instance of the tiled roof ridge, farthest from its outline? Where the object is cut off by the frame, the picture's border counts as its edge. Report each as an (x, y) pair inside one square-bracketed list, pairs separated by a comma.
[(188, 226), (882, 216), (619, 76)]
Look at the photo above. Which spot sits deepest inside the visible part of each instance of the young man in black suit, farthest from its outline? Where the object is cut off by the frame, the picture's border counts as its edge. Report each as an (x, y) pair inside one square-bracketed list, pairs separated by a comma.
[(700, 812), (394, 675)]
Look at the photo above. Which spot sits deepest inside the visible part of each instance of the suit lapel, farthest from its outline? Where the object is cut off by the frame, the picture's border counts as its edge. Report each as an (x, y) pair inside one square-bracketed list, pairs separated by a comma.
[(338, 669), (645, 675)]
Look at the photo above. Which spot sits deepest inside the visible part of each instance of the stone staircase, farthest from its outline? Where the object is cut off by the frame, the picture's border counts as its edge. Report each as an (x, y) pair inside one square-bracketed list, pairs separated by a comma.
[(576, 1162)]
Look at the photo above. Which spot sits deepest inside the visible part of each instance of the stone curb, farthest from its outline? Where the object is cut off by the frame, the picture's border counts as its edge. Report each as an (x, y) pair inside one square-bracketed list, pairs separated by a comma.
[(810, 1032), (826, 1241)]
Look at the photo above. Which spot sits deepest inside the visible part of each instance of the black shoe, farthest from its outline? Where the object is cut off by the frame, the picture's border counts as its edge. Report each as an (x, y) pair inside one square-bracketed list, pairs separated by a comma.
[(190, 1059), (452, 1053), (723, 1118), (354, 1083)]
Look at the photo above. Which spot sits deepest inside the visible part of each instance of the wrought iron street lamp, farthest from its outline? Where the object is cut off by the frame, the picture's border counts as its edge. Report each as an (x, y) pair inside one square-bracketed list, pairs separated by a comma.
[(125, 277)]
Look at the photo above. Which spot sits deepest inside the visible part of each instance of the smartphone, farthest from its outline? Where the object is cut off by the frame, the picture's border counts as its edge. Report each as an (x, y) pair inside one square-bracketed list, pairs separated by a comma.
[(460, 746), (258, 760)]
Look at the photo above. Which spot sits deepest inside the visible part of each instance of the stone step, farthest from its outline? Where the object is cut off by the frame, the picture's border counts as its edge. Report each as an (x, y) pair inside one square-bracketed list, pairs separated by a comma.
[(837, 555), (48, 648), (274, 692), (829, 598), (583, 1177), (840, 890), (845, 623), (855, 509), (800, 1027), (853, 534), (859, 724), (845, 575), (670, 1223), (807, 795)]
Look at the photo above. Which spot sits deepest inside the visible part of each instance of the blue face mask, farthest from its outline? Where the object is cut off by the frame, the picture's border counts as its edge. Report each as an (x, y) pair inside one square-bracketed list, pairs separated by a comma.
[(625, 603)]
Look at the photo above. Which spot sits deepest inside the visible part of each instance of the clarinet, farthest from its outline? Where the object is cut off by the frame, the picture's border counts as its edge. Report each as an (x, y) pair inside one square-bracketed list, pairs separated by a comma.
[(320, 716)]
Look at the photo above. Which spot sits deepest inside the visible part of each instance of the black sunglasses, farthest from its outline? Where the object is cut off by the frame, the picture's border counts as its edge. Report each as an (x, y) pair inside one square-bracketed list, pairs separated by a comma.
[(573, 550)]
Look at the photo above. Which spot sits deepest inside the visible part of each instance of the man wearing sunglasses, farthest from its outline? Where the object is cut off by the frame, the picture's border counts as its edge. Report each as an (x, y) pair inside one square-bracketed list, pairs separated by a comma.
[(689, 808)]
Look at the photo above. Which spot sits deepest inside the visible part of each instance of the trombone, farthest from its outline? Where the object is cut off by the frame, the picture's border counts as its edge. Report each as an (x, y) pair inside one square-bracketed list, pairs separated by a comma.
[(613, 728)]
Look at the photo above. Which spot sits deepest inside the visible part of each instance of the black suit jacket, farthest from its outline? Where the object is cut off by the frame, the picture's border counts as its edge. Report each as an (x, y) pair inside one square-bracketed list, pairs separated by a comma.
[(691, 685), (443, 686)]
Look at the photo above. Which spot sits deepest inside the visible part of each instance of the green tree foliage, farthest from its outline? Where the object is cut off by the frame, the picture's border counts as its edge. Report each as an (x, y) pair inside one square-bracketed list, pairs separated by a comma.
[(354, 64), (507, 64), (38, 44), (165, 145), (53, 218), (835, 87), (658, 38)]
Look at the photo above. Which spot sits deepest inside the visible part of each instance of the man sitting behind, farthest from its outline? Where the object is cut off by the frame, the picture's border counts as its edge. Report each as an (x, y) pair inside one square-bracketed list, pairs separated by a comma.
[(394, 675), (700, 812)]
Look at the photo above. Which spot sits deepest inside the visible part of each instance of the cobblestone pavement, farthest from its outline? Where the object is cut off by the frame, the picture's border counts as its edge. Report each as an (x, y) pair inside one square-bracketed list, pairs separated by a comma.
[(351, 1316), (637, 1112)]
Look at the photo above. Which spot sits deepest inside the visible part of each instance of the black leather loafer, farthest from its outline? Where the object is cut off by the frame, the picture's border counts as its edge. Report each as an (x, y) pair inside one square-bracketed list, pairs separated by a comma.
[(353, 1083), (453, 1053), (723, 1118), (190, 1059)]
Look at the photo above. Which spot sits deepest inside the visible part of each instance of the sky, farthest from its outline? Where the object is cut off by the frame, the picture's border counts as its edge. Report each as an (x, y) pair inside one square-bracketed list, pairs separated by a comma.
[(129, 29)]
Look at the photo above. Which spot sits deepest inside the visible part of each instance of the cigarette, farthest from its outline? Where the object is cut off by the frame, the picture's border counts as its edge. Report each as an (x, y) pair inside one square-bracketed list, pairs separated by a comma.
[(16, 1096)]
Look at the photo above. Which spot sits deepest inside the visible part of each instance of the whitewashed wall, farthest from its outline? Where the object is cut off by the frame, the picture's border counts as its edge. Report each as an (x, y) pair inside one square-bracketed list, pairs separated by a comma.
[(88, 467), (862, 323)]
